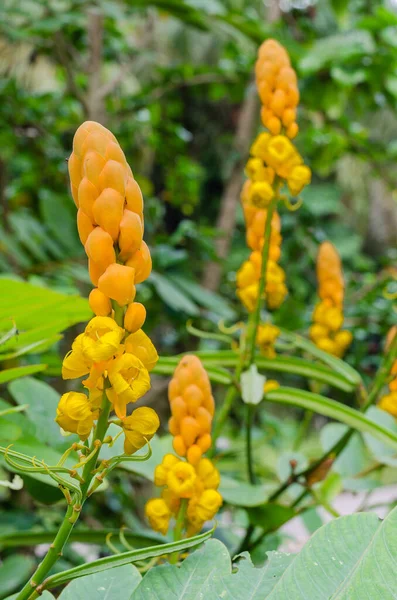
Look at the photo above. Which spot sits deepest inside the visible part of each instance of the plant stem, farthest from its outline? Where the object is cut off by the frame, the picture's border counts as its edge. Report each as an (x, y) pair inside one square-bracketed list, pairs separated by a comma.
[(180, 522), (30, 590), (222, 416), (249, 420)]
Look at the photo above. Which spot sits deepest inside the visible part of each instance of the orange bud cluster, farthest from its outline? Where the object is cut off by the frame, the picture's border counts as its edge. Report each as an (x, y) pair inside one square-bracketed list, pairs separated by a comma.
[(278, 88), (192, 408), (195, 480), (389, 401), (326, 331), (109, 220)]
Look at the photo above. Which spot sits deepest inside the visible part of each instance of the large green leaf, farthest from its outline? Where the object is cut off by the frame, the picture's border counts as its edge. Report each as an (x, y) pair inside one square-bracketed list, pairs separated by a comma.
[(204, 297), (42, 401), (39, 315), (241, 493), (14, 571), (16, 372), (173, 296), (350, 558), (114, 584), (334, 410)]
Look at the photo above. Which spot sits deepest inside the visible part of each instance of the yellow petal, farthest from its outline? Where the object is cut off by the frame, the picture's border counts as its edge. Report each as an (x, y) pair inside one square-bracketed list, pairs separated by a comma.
[(140, 345)]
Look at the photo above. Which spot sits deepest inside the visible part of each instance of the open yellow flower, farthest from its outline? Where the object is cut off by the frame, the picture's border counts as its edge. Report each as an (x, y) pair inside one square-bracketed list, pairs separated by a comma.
[(101, 339), (158, 514), (139, 427), (181, 479), (76, 364), (140, 345), (298, 178), (208, 505), (129, 379), (162, 470), (208, 474), (76, 414)]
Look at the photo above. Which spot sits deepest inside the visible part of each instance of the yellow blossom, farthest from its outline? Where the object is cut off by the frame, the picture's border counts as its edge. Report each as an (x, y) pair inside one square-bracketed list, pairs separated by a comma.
[(261, 194), (76, 364), (181, 479), (389, 403), (270, 385), (208, 505), (208, 474), (76, 414), (162, 470), (158, 514), (101, 339), (140, 345), (129, 380), (298, 178), (139, 427)]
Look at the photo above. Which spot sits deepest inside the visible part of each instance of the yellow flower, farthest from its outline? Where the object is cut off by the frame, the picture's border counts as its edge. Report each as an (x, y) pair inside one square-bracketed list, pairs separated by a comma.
[(101, 339), (266, 337), (259, 147), (298, 178), (181, 479), (140, 345), (208, 505), (246, 275), (255, 169), (282, 156), (249, 296), (261, 194), (76, 364), (270, 385), (139, 427), (76, 414), (129, 380), (389, 403), (162, 470), (208, 474), (158, 514)]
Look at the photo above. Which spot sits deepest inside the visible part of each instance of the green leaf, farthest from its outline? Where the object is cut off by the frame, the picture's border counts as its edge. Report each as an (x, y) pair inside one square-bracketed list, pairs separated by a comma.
[(14, 538), (57, 215), (44, 596), (240, 493), (270, 516), (16, 372), (383, 453), (334, 410), (42, 402), (336, 49), (353, 458), (115, 584), (9, 432), (125, 558), (336, 364), (14, 571), (172, 296), (204, 297)]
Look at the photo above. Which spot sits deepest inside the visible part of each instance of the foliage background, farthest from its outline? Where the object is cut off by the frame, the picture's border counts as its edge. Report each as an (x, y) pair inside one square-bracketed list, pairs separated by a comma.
[(173, 81)]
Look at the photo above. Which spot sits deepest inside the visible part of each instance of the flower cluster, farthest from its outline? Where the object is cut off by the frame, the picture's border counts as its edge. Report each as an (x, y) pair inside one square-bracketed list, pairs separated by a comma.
[(326, 331), (389, 401), (109, 221), (274, 161), (277, 87), (116, 359), (195, 480)]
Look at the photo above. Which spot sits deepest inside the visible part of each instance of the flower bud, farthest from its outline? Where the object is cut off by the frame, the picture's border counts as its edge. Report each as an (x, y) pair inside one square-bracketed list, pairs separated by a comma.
[(99, 303), (134, 317), (117, 282)]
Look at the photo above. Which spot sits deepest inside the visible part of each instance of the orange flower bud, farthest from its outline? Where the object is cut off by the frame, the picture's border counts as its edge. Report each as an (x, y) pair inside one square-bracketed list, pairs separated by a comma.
[(87, 195), (99, 248), (134, 317), (189, 430), (204, 419), (179, 445), (113, 175), (131, 233), (117, 282), (193, 397), (173, 426), (95, 271), (194, 454), (74, 168), (133, 196), (99, 303), (92, 166), (178, 408), (141, 261), (108, 211), (84, 226), (204, 442)]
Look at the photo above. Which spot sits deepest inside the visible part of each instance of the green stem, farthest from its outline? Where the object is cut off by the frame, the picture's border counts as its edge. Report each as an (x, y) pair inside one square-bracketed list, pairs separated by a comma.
[(179, 525), (226, 407), (53, 554), (250, 463), (32, 588)]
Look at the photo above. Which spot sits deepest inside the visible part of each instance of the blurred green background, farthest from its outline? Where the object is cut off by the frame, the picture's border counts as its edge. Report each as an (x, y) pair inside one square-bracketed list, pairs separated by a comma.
[(173, 80)]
